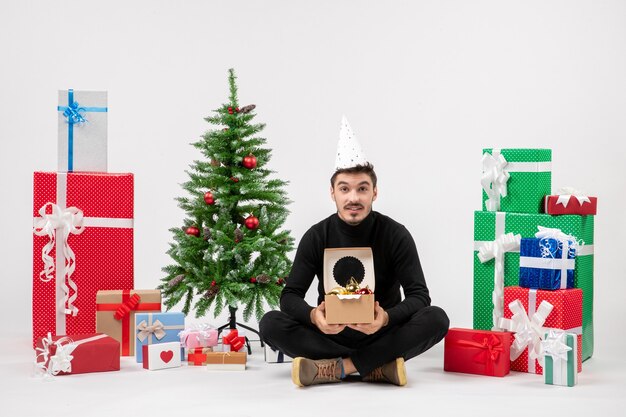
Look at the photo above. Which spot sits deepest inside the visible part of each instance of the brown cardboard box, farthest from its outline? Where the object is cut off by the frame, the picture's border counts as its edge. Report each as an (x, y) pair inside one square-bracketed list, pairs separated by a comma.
[(341, 264), (225, 361), (349, 311), (122, 328)]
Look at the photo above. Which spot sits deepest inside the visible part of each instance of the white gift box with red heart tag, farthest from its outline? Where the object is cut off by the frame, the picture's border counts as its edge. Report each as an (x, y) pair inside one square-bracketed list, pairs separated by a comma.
[(161, 356)]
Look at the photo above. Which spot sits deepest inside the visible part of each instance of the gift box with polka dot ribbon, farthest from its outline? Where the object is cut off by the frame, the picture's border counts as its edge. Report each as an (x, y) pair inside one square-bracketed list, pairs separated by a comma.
[(82, 243)]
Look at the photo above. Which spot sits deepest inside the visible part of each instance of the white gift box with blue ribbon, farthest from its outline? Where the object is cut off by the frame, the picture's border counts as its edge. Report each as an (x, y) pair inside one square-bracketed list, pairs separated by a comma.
[(82, 131)]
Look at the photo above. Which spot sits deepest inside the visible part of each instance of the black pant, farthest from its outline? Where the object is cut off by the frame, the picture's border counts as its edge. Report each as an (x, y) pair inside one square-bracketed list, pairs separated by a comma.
[(421, 332)]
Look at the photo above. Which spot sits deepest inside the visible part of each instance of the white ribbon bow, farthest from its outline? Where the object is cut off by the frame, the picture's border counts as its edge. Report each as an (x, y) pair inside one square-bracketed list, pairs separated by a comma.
[(61, 361), (145, 331), (528, 331), (66, 221), (566, 193), (554, 345), (495, 250), (494, 178)]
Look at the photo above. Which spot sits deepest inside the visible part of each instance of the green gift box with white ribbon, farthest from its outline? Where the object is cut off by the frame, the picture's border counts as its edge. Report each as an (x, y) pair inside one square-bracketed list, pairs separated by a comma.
[(516, 180), (559, 360), (496, 235)]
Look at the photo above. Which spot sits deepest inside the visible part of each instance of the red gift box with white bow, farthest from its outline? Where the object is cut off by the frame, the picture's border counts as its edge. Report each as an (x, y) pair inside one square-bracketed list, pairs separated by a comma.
[(82, 243), (570, 202), (77, 354), (530, 313)]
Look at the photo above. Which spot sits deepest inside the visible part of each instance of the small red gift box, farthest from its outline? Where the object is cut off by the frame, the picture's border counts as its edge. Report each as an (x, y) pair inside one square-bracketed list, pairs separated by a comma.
[(570, 204), (566, 314), (82, 243), (480, 352), (197, 356), (234, 341), (77, 354)]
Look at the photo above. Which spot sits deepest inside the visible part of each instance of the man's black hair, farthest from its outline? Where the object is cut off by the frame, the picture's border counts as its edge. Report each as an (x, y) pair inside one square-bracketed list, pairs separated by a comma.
[(366, 168)]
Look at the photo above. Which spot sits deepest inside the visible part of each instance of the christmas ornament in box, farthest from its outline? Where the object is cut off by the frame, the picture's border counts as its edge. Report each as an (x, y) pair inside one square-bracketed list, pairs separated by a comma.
[(349, 283), (82, 243)]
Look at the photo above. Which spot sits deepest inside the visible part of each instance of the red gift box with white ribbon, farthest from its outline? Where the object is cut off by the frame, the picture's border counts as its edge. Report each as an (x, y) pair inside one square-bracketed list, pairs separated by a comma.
[(82, 243), (77, 354), (530, 313), (570, 201)]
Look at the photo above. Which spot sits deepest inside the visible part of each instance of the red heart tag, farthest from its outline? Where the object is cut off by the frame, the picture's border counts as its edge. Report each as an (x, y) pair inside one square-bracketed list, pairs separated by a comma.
[(167, 356)]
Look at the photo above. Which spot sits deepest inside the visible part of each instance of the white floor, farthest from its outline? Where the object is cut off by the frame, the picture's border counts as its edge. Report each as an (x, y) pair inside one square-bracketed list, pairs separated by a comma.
[(266, 390)]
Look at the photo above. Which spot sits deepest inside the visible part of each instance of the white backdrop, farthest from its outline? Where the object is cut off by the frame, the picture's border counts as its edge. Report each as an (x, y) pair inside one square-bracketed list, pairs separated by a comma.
[(425, 84)]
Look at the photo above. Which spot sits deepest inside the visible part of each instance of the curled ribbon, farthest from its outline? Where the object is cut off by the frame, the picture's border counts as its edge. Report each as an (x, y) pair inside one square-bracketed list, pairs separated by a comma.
[(146, 330), (494, 178), (73, 114), (528, 330), (66, 221), (61, 361), (495, 250), (567, 243), (566, 193)]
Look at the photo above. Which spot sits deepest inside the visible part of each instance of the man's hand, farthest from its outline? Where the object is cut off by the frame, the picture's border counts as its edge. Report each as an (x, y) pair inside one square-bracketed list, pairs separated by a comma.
[(381, 318), (318, 318)]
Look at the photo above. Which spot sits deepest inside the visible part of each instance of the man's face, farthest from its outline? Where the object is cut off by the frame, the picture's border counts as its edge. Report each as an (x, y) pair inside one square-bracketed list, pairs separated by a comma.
[(353, 194)]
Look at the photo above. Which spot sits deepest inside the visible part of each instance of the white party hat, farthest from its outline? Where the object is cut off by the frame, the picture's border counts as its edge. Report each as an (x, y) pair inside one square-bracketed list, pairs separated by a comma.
[(349, 152)]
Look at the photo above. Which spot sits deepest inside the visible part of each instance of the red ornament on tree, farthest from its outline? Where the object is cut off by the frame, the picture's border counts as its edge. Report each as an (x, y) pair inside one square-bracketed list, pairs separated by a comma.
[(234, 179), (230, 110), (193, 231), (208, 198), (213, 283), (252, 222), (249, 161), (253, 280), (280, 281), (237, 109)]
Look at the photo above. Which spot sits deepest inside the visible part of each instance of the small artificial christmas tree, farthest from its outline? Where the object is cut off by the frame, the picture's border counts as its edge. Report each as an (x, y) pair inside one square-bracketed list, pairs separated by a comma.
[(230, 251)]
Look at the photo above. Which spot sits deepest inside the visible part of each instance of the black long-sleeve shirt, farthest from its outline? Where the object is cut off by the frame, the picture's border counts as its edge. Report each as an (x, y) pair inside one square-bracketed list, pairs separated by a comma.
[(396, 264)]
